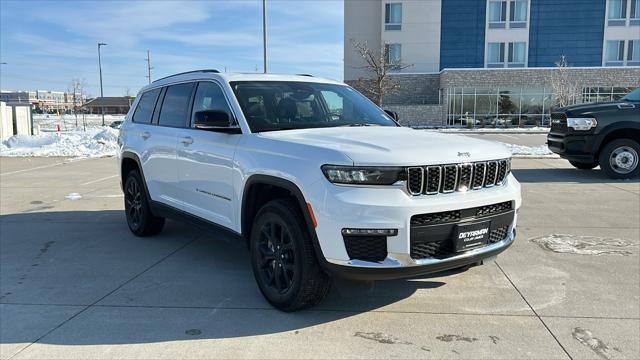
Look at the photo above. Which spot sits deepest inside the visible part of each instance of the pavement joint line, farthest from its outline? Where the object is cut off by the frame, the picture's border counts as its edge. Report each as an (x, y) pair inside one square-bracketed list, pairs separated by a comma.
[(268, 308), (42, 167), (534, 311), (99, 180), (600, 183), (107, 295)]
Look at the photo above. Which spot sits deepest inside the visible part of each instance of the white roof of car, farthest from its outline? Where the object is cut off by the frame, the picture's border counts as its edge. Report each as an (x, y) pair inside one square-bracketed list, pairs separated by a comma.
[(228, 77)]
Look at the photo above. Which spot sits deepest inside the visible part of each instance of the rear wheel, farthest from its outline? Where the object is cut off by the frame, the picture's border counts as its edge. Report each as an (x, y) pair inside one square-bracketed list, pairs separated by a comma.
[(136, 205), (283, 259), (583, 165), (619, 159)]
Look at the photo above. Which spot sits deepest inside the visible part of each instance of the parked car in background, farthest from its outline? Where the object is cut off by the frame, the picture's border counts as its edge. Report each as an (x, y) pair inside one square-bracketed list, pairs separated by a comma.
[(315, 178), (605, 134), (116, 124)]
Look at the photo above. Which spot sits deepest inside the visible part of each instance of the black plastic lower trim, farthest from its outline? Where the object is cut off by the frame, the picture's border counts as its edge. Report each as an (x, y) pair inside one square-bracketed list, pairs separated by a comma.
[(360, 273)]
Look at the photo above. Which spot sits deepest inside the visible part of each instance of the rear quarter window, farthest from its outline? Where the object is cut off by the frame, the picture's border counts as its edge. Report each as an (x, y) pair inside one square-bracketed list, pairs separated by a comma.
[(144, 110)]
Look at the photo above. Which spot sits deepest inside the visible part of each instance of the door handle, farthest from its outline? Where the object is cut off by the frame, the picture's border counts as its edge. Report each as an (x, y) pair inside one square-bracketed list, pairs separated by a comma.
[(186, 140), (145, 135)]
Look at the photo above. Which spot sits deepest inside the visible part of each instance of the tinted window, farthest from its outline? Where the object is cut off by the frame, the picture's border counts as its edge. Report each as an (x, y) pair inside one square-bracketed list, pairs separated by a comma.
[(282, 105), (209, 96), (144, 110), (175, 106)]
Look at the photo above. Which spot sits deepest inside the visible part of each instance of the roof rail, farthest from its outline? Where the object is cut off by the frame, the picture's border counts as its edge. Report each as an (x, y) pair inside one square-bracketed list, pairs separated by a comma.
[(309, 75), (189, 72)]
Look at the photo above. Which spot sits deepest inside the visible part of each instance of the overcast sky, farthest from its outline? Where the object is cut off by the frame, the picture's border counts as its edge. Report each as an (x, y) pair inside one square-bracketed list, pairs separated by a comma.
[(47, 44)]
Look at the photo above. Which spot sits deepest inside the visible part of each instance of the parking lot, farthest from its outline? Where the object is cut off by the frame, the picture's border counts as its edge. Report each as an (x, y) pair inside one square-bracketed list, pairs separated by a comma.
[(74, 283)]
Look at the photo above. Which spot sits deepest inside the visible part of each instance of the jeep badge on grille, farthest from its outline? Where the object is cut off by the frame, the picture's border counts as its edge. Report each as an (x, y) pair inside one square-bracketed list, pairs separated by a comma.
[(465, 154)]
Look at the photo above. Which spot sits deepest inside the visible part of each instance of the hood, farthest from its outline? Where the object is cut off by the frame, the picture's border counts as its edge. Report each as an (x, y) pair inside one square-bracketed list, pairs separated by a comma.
[(589, 108), (395, 146)]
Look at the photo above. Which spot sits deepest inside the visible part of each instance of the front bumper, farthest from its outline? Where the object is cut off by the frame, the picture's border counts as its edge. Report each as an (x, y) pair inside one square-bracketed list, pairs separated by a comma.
[(340, 207), (577, 147)]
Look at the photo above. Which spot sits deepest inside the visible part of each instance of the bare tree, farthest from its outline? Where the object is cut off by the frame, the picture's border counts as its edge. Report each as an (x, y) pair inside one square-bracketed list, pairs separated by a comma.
[(564, 86), (77, 91), (127, 91), (377, 65)]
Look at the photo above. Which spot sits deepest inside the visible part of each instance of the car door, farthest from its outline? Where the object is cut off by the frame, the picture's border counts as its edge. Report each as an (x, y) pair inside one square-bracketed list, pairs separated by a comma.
[(160, 163), (205, 169)]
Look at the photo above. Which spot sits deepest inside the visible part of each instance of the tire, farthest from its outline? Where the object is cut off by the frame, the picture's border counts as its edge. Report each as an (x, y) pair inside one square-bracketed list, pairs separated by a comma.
[(283, 258), (582, 165), (620, 159), (136, 205)]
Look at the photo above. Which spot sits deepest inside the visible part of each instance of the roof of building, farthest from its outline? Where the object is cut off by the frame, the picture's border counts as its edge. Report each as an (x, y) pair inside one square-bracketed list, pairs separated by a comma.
[(111, 101)]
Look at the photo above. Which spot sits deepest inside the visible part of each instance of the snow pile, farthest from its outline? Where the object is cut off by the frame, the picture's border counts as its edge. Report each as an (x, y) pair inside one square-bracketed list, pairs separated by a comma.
[(584, 245), (533, 129), (95, 142), (48, 122), (530, 151)]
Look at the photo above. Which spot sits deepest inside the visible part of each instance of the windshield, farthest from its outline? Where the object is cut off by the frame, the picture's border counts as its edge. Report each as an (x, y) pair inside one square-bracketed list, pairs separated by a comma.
[(633, 96), (283, 105)]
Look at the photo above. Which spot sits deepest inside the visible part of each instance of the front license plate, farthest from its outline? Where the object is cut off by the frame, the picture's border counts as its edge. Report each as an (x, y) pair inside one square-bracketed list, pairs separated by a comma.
[(471, 236)]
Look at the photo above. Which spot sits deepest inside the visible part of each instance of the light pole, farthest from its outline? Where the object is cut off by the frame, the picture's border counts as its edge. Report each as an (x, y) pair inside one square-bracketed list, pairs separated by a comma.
[(264, 35), (101, 91)]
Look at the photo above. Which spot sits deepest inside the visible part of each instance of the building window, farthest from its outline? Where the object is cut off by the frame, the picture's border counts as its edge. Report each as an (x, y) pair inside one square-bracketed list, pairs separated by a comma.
[(513, 54), (518, 14), (394, 55), (517, 55), (634, 14), (617, 12), (393, 16), (497, 14), (633, 53), (614, 53), (495, 55)]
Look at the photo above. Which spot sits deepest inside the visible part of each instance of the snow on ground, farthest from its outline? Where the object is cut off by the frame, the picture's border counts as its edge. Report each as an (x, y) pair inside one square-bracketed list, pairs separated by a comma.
[(530, 151), (533, 130), (46, 122), (95, 142)]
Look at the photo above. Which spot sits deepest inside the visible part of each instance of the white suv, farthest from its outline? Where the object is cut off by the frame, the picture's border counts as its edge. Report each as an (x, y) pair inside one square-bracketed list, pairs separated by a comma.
[(315, 178)]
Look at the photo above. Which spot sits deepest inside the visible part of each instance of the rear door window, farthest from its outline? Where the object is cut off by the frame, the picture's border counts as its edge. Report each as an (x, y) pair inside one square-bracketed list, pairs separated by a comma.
[(175, 106), (144, 110)]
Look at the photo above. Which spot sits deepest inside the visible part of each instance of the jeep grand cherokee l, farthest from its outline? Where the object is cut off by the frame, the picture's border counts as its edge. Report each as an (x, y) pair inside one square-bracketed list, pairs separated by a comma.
[(315, 178), (605, 134)]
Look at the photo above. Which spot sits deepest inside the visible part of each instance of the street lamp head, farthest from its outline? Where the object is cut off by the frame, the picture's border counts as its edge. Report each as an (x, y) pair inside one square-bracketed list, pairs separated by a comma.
[(101, 44)]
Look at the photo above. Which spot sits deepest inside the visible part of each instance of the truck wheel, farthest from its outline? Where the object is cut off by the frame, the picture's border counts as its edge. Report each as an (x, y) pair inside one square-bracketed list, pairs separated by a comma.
[(583, 165), (283, 259), (619, 159), (136, 206)]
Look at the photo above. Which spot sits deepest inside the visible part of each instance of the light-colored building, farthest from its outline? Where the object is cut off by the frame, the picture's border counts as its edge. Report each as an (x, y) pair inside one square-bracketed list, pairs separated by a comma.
[(492, 61), (44, 100)]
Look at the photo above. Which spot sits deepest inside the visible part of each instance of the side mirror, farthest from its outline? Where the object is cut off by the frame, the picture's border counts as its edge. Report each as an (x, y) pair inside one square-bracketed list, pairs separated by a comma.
[(393, 115), (211, 118)]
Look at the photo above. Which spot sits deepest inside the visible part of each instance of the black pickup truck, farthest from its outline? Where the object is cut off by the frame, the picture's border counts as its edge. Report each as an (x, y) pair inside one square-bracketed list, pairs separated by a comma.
[(605, 134)]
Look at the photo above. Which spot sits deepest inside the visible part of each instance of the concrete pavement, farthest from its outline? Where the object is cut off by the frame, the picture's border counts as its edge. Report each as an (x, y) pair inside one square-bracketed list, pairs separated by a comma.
[(74, 283)]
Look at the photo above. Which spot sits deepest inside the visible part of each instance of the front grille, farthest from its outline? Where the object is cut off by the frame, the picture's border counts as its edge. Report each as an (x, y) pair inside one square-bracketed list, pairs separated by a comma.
[(437, 179), (498, 234), (493, 209), (558, 122), (429, 249), (366, 248), (436, 218)]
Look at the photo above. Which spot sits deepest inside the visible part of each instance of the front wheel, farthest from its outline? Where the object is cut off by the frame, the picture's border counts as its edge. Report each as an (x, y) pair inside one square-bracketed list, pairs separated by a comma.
[(283, 259), (619, 159), (583, 165), (136, 205)]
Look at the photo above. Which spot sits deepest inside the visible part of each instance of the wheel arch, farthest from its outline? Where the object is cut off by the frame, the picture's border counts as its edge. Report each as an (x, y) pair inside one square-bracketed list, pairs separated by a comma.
[(131, 161), (251, 202), (622, 130)]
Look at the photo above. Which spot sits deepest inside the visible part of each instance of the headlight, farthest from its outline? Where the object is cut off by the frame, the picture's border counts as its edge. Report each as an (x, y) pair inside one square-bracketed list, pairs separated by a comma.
[(581, 123), (362, 175)]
